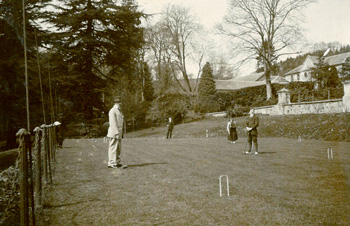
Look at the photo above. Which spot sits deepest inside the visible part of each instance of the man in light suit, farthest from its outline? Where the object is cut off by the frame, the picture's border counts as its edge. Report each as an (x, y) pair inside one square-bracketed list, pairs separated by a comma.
[(115, 133)]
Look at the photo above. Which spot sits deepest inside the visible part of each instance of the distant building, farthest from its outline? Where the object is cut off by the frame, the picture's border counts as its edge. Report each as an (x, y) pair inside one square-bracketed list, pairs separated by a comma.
[(251, 80), (302, 73)]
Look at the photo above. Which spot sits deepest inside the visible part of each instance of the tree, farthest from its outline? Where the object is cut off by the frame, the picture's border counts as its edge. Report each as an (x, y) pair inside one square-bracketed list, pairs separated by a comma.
[(345, 72), (92, 34), (148, 90), (182, 28), (206, 90), (158, 41), (319, 73), (263, 30), (12, 79)]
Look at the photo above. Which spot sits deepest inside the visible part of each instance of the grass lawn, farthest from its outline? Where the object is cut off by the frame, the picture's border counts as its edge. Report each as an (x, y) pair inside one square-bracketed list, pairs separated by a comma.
[(176, 181)]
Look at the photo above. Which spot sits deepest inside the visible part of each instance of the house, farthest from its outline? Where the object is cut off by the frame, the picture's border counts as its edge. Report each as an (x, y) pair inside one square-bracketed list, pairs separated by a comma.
[(251, 80), (302, 73)]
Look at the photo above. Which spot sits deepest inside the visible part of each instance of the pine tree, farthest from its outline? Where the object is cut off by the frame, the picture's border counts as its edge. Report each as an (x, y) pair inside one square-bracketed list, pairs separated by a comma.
[(206, 91), (206, 87), (12, 79), (93, 34)]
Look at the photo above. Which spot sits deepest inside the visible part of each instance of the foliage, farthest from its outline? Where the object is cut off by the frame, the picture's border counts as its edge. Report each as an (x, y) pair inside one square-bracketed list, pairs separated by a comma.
[(206, 101), (148, 90), (91, 35), (172, 105), (345, 73), (10, 195), (12, 79), (172, 42)]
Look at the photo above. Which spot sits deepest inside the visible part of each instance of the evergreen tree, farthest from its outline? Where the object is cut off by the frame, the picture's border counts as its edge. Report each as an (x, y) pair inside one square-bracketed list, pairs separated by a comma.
[(333, 79), (320, 73), (12, 79), (345, 72), (206, 90), (206, 87), (92, 34)]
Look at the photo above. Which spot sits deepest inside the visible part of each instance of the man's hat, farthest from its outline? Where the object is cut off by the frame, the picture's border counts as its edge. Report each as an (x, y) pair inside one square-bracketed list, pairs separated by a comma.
[(57, 123), (117, 99)]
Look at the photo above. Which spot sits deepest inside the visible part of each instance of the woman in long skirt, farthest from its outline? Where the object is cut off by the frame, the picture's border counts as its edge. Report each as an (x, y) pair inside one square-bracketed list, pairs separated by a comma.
[(231, 130)]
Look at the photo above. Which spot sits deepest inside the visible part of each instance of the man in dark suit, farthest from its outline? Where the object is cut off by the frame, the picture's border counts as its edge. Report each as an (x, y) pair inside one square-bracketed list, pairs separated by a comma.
[(170, 127), (252, 124)]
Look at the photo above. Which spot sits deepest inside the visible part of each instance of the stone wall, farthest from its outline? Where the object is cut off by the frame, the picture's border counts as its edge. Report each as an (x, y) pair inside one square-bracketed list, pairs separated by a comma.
[(285, 107), (327, 106)]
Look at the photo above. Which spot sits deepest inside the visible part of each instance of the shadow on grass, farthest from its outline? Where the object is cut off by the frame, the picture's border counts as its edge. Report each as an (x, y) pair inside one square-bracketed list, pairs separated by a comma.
[(262, 153), (266, 152), (51, 206), (147, 164)]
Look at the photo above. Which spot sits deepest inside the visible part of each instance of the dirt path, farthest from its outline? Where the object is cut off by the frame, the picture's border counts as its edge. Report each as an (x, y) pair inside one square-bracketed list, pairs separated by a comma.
[(176, 182)]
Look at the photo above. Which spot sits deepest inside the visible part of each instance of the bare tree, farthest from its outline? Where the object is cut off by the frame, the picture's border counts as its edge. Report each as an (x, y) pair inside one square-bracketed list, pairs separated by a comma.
[(264, 30), (182, 27)]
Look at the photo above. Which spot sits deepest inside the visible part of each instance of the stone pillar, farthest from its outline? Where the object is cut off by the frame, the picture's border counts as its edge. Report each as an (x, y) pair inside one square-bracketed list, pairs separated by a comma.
[(346, 97), (283, 99)]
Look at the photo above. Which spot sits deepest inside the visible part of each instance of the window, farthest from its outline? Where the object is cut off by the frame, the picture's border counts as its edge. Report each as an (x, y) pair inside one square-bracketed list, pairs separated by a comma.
[(298, 77)]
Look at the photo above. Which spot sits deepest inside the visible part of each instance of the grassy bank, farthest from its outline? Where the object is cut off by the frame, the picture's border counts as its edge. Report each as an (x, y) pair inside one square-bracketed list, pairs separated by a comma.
[(329, 127)]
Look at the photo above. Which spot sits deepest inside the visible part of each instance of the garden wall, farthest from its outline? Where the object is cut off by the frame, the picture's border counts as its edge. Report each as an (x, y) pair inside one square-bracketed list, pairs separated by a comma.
[(285, 107)]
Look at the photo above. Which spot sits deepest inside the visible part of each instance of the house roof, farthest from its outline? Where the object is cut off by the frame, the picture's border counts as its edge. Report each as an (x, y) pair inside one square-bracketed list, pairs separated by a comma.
[(279, 79), (231, 84), (295, 70), (234, 84), (311, 62), (337, 59), (251, 77)]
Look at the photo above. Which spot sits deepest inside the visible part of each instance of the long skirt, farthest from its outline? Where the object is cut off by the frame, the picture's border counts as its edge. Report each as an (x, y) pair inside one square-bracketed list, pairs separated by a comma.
[(232, 136)]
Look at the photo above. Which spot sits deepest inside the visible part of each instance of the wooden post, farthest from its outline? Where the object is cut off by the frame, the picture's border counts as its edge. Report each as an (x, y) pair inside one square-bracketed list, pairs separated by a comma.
[(23, 177), (329, 94), (49, 155), (30, 175), (44, 139), (38, 186)]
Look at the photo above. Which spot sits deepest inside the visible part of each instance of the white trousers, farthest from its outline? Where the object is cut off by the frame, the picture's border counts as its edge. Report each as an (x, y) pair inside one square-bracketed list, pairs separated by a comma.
[(114, 151)]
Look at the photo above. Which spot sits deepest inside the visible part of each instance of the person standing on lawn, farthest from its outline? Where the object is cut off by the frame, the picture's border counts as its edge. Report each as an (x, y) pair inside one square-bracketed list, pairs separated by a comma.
[(115, 134), (170, 127), (231, 130), (252, 124)]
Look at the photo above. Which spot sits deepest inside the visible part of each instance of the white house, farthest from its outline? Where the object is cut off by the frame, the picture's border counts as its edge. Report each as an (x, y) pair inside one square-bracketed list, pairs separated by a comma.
[(302, 73)]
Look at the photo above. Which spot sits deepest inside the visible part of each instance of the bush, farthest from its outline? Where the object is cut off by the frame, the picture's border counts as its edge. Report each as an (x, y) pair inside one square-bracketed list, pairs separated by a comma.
[(171, 105)]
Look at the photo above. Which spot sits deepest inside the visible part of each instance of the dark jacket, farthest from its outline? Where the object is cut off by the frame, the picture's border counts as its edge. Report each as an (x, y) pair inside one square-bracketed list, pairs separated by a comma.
[(170, 125), (253, 122)]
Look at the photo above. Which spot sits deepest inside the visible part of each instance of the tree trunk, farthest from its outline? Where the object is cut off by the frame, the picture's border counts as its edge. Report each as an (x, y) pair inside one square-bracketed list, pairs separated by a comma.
[(268, 82)]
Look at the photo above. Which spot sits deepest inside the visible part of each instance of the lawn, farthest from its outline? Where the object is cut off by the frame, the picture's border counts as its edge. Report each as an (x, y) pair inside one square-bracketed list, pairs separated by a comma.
[(176, 182)]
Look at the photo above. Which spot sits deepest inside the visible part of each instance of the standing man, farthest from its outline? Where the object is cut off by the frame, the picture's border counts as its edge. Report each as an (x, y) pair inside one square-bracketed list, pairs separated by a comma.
[(170, 127), (115, 133), (252, 124)]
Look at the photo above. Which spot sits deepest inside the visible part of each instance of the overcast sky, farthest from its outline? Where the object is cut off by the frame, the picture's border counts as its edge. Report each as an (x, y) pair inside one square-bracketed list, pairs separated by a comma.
[(326, 20)]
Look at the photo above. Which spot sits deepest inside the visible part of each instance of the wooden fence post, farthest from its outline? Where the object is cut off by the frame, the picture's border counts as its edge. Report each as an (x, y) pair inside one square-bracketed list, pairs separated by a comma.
[(38, 187), (23, 177), (44, 145)]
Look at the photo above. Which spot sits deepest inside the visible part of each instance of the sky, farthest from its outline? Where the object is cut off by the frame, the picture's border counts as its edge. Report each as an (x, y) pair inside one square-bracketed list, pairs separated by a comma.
[(325, 21)]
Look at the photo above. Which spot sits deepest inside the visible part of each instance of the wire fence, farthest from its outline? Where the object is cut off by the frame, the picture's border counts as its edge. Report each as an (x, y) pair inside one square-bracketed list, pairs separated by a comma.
[(23, 184)]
